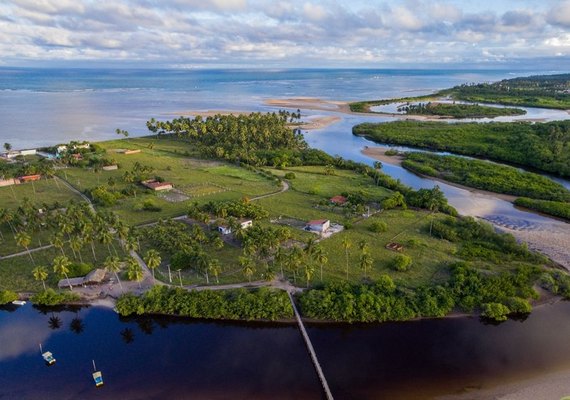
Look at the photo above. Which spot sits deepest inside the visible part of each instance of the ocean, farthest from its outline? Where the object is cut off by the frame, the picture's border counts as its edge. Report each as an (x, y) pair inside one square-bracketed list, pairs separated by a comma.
[(40, 107)]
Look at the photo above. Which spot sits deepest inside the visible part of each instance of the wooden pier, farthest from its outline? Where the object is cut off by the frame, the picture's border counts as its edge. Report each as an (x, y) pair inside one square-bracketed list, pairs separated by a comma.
[(312, 353)]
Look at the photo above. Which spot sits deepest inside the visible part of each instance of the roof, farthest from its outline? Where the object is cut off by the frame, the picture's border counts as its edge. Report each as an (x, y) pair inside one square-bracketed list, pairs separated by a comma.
[(155, 185), (97, 275), (339, 199), (318, 222)]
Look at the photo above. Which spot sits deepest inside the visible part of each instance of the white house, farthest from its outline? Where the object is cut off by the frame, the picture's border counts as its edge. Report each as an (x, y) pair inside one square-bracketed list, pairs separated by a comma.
[(245, 223), (318, 225), (224, 230)]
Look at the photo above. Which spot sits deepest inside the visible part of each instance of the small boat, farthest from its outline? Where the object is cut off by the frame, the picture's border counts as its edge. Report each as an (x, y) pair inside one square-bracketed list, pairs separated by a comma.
[(97, 376), (47, 356), (19, 302)]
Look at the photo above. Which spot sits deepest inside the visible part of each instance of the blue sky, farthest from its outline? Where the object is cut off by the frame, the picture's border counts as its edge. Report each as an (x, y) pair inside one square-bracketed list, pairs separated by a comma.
[(316, 33)]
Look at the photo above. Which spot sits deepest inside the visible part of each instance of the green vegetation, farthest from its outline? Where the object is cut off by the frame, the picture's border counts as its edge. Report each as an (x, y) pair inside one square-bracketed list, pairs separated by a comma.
[(258, 304), (50, 297), (486, 175), (458, 110), (467, 289), (543, 146), (546, 91), (555, 208), (7, 296)]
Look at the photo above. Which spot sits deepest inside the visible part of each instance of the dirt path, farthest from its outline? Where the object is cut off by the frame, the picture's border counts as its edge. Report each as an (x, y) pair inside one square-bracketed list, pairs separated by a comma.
[(284, 188)]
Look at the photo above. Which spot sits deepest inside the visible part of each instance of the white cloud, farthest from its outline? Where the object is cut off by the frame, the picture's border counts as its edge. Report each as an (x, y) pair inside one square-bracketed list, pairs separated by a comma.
[(560, 14)]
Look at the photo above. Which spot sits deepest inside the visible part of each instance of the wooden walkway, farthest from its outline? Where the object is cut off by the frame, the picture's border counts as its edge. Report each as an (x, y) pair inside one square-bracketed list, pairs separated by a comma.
[(311, 350)]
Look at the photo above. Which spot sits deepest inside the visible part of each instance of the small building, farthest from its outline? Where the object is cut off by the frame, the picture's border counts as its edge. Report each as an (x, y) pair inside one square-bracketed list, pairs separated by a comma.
[(28, 152), (131, 151), (156, 186), (318, 225), (395, 246), (30, 178), (338, 200), (224, 230), (92, 278), (245, 223), (110, 167), (8, 182), (77, 156)]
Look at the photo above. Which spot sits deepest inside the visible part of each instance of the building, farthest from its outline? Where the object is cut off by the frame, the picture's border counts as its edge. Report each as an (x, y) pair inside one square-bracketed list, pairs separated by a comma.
[(110, 167), (338, 200), (245, 223), (318, 225), (30, 178), (156, 186), (15, 153), (131, 151), (224, 230), (8, 182)]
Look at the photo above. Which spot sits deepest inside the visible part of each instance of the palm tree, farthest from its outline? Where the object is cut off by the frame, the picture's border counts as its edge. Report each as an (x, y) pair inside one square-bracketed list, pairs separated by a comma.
[(7, 146), (106, 237), (24, 239), (363, 246), (247, 266), (40, 274), (113, 264), (320, 257), (365, 262), (134, 270), (309, 271), (76, 245), (202, 261), (152, 260), (57, 242), (61, 267), (215, 268), (346, 244)]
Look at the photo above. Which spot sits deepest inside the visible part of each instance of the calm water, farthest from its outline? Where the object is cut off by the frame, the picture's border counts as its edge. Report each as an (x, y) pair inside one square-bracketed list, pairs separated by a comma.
[(45, 107), (204, 360), (163, 358)]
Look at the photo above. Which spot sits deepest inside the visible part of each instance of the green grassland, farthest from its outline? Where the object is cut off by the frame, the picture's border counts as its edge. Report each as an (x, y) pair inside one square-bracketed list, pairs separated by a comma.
[(44, 191)]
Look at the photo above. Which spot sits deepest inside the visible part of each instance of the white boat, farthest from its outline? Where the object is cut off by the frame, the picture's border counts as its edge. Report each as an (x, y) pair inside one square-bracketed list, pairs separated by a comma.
[(19, 302), (47, 356), (97, 376)]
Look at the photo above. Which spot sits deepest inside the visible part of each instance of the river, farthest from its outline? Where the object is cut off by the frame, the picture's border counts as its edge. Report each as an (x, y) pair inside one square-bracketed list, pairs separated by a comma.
[(180, 359), (158, 358)]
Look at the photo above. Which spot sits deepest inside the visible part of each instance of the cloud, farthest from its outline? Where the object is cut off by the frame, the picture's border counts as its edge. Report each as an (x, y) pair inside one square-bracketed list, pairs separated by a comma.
[(560, 15), (247, 31)]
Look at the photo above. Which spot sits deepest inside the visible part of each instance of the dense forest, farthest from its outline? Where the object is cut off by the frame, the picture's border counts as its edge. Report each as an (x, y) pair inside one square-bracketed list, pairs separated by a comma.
[(486, 175), (457, 110), (544, 146), (546, 91), (557, 208)]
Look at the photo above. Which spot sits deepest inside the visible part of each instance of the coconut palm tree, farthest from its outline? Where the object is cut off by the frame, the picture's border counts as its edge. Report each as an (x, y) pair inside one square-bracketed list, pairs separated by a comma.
[(57, 242), (248, 268), (346, 245), (113, 264), (134, 270), (309, 271), (152, 259), (23, 239), (215, 268), (366, 262), (76, 245), (106, 237), (320, 257), (61, 267), (40, 274)]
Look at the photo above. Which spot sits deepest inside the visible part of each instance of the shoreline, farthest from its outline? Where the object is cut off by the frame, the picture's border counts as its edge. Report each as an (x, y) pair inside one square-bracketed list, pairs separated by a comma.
[(378, 153)]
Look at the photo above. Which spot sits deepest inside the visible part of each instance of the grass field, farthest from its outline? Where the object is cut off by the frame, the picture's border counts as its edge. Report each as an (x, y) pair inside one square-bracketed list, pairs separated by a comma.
[(40, 192)]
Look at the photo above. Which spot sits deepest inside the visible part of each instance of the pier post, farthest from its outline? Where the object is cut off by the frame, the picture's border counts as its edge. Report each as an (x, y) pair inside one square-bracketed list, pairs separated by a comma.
[(312, 353)]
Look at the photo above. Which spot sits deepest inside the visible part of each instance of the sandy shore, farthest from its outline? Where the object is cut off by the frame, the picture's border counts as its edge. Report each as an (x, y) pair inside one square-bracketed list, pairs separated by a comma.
[(318, 122), (379, 153), (310, 103), (551, 386)]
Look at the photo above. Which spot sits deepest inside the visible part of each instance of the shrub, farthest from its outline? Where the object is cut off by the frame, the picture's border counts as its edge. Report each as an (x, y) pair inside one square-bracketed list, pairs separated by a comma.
[(402, 262), (150, 205), (518, 305), (7, 296), (79, 269), (290, 175), (378, 227), (495, 311), (50, 297)]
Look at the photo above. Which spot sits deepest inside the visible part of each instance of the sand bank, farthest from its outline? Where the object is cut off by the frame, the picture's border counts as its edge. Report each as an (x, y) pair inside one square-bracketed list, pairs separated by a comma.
[(379, 153), (310, 103)]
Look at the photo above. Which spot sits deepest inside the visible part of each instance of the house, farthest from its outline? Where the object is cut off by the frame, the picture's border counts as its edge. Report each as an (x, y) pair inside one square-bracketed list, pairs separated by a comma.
[(318, 225), (338, 200), (30, 178), (28, 152), (94, 277), (110, 167), (132, 151), (156, 186), (224, 230), (245, 223)]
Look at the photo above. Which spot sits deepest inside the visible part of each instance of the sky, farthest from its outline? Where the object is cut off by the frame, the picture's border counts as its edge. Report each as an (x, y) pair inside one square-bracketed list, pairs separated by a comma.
[(263, 33)]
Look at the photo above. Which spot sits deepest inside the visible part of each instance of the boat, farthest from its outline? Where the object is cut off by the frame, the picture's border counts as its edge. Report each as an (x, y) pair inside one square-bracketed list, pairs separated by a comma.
[(97, 376), (47, 356), (19, 302)]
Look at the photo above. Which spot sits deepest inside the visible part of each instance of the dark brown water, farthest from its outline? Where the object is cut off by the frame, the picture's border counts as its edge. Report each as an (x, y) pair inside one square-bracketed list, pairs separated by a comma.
[(163, 358)]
